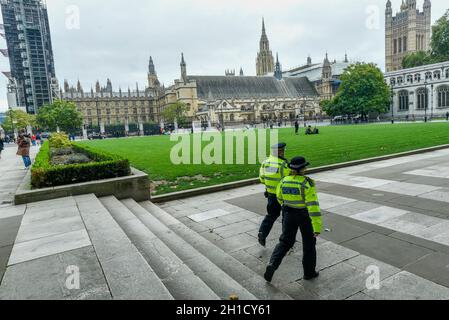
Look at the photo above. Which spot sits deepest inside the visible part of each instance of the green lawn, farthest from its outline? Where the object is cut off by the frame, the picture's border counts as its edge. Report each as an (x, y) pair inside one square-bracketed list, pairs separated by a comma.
[(335, 144)]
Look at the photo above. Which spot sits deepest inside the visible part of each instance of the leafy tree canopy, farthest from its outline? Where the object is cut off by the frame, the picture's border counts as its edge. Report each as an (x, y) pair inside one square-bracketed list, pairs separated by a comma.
[(175, 111), (60, 114), (18, 119), (363, 91)]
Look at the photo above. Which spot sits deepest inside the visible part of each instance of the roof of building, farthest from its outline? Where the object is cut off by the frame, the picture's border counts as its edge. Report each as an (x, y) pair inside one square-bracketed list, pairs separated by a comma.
[(313, 72), (222, 87)]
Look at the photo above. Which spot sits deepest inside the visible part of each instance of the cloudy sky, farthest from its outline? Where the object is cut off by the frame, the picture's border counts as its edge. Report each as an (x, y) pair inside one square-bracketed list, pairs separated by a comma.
[(114, 38)]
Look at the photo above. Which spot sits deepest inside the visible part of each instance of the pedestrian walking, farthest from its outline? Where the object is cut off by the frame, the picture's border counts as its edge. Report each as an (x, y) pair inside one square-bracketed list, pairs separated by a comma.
[(447, 116), (38, 139), (2, 146), (33, 140), (24, 144), (272, 171), (296, 127), (301, 209)]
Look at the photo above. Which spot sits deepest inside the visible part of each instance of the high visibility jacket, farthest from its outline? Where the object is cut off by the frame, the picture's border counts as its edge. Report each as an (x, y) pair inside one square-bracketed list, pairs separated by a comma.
[(272, 171), (299, 192)]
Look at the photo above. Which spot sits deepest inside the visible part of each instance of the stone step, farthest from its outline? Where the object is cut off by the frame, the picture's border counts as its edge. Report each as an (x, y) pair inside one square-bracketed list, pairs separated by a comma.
[(255, 283), (182, 283), (127, 273), (219, 281)]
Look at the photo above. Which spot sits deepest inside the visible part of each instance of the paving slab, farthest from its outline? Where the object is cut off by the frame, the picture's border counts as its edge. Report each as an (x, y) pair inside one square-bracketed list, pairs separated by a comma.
[(379, 215), (49, 276), (407, 286), (12, 211), (203, 216), (5, 252), (438, 195), (392, 251), (236, 243), (48, 246), (8, 230), (338, 231), (353, 208), (434, 267), (46, 228)]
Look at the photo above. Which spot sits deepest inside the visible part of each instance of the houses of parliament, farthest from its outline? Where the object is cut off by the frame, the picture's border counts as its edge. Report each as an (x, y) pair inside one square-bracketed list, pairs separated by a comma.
[(271, 95)]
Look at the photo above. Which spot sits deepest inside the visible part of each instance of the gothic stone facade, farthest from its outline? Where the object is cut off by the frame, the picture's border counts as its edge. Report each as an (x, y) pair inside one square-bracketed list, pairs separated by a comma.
[(421, 91), (407, 32), (218, 99)]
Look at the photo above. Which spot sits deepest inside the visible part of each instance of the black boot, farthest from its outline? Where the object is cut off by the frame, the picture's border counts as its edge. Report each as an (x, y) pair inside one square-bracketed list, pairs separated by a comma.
[(262, 240), (269, 273), (311, 277)]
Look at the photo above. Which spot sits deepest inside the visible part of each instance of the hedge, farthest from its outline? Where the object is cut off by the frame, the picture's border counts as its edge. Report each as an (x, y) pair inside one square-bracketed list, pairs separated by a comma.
[(105, 166)]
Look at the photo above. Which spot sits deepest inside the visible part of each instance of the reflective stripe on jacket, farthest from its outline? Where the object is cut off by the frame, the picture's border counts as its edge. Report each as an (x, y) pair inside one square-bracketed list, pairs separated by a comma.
[(299, 192), (272, 171)]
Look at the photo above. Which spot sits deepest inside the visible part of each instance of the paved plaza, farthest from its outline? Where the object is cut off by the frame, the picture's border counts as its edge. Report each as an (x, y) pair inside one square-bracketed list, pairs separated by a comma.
[(392, 215)]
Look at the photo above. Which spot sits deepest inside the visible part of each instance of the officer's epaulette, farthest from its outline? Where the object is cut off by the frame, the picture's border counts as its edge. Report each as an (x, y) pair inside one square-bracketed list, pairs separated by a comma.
[(310, 181)]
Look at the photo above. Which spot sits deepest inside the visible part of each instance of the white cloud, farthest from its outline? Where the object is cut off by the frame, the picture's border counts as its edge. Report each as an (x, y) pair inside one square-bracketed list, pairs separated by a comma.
[(116, 38)]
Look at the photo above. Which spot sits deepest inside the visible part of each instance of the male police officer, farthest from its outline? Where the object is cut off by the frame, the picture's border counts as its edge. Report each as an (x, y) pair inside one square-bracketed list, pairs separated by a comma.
[(273, 170), (297, 195)]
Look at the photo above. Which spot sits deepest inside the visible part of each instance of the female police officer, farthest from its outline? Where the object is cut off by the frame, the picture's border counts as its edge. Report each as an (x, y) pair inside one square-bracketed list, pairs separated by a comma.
[(297, 195)]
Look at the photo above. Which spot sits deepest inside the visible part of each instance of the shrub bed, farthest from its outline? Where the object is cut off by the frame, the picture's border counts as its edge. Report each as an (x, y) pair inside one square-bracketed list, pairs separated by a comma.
[(102, 166)]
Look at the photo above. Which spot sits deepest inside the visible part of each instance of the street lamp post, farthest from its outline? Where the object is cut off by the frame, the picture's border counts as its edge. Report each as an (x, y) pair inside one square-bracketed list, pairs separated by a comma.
[(431, 103), (426, 102), (392, 104)]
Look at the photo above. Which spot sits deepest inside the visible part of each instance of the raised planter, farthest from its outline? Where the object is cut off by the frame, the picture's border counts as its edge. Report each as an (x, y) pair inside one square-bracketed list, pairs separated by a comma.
[(135, 186)]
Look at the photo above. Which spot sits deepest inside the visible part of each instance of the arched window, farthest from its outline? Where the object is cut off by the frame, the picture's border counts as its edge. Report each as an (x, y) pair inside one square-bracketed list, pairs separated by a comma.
[(437, 75), (423, 99), (447, 73), (392, 81), (410, 79), (400, 80), (405, 44), (403, 100), (400, 45), (428, 75), (232, 117), (418, 77), (443, 97)]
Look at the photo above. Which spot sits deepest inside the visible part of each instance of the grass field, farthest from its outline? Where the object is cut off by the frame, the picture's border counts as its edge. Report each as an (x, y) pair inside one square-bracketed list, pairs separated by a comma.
[(334, 145)]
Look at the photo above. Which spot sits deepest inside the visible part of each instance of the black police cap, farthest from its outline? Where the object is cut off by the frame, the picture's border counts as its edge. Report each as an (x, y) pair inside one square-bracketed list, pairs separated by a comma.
[(281, 145), (298, 163)]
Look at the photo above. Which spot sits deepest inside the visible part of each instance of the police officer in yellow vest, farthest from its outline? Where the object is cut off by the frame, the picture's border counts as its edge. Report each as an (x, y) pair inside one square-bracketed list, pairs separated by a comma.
[(297, 195), (272, 171)]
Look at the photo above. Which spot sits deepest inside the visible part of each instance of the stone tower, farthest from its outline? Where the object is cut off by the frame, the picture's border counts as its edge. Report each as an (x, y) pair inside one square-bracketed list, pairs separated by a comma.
[(265, 60), (153, 81), (407, 32)]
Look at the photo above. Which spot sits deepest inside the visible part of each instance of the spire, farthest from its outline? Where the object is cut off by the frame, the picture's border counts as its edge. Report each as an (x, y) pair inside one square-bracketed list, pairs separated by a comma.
[(346, 57), (241, 72), (278, 69), (309, 60), (183, 69), (97, 87), (151, 68), (263, 27)]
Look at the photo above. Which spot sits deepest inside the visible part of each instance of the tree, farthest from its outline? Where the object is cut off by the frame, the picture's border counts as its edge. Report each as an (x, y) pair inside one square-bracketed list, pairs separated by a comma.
[(363, 90), (60, 114), (175, 111), (415, 59), (18, 119), (440, 38)]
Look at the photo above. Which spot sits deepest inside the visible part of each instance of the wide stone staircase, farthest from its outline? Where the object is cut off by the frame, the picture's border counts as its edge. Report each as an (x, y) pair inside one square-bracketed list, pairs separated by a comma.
[(145, 253)]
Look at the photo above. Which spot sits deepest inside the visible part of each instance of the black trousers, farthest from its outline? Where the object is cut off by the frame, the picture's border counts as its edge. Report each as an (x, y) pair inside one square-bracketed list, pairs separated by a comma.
[(295, 219), (274, 212)]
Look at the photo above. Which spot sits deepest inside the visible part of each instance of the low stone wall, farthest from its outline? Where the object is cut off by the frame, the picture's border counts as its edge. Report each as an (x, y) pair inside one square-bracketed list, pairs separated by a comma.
[(136, 186), (243, 183)]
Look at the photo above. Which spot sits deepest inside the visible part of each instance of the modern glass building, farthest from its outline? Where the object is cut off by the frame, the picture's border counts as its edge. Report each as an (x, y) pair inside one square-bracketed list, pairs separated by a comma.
[(30, 51)]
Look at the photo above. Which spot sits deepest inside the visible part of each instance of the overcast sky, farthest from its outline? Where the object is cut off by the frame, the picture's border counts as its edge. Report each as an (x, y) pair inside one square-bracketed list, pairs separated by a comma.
[(114, 38)]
